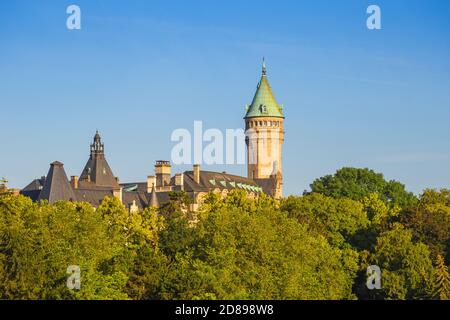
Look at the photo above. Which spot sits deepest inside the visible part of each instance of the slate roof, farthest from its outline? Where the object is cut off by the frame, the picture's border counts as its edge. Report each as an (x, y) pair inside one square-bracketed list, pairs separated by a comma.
[(144, 199), (268, 185), (134, 186), (94, 197), (97, 172), (36, 184), (32, 194), (100, 174), (210, 180), (33, 189), (57, 186), (140, 199)]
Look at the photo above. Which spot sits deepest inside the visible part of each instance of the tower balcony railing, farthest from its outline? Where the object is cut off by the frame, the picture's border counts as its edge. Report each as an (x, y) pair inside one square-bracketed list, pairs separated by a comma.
[(162, 163)]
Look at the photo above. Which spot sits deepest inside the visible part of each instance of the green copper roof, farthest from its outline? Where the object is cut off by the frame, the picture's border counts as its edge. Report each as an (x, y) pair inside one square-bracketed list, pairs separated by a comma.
[(264, 103)]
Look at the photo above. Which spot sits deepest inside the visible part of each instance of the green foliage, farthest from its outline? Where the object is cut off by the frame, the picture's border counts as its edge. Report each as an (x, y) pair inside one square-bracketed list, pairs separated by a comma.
[(433, 200), (179, 202), (378, 212), (244, 251), (337, 219), (136, 228), (39, 241), (431, 228), (441, 283), (356, 184), (315, 246), (406, 265), (146, 273)]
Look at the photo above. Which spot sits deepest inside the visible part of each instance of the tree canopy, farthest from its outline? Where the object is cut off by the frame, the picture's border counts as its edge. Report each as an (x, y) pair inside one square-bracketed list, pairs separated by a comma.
[(314, 246), (356, 184)]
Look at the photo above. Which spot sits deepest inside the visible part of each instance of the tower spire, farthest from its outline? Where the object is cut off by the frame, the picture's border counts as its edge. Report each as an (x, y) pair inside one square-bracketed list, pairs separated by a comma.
[(264, 103), (97, 147), (264, 71)]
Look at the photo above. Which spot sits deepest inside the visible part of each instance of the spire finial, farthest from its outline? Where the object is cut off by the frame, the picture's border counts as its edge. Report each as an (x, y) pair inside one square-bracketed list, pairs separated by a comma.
[(97, 146), (264, 71), (97, 136)]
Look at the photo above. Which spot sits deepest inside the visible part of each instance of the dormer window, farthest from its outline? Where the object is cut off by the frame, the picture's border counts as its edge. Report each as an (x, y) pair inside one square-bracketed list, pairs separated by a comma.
[(263, 108)]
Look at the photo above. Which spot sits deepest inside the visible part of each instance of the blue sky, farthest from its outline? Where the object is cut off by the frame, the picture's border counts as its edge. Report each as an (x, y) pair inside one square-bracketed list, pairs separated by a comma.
[(137, 70)]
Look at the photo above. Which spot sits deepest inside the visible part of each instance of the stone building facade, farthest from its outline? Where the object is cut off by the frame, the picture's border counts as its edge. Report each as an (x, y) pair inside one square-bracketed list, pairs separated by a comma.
[(264, 138)]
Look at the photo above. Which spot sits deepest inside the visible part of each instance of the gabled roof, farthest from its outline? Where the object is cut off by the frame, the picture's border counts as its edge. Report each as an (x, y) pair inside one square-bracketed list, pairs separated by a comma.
[(264, 103), (36, 184), (139, 198), (57, 186)]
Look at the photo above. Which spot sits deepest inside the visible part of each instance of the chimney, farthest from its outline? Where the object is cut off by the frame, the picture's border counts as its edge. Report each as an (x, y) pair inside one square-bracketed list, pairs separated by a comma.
[(118, 193), (179, 180), (74, 182), (151, 180), (197, 173), (162, 172)]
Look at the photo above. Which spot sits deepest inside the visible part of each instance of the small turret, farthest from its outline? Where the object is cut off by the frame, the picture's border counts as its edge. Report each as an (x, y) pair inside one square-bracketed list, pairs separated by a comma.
[(97, 147), (154, 198)]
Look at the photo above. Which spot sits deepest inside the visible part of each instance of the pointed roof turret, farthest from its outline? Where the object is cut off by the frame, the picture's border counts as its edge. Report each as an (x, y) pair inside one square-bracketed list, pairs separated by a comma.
[(97, 148), (97, 171), (264, 103), (57, 186), (154, 198)]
